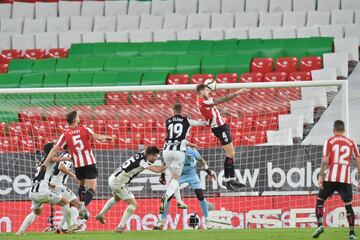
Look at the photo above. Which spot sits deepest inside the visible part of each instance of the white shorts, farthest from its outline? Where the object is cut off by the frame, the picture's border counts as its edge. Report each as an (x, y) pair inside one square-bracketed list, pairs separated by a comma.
[(66, 192), (44, 196), (174, 161), (119, 189)]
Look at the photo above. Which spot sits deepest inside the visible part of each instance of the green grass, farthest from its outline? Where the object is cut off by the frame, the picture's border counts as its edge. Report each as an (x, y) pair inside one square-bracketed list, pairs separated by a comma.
[(248, 234)]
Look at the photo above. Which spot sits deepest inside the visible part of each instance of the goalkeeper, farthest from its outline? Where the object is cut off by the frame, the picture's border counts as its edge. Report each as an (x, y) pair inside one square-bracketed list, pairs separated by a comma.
[(189, 175)]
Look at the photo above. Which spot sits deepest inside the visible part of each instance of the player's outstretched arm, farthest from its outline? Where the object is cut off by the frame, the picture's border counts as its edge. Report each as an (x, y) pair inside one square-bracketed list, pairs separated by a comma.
[(66, 171), (157, 169), (101, 137), (229, 96), (51, 155)]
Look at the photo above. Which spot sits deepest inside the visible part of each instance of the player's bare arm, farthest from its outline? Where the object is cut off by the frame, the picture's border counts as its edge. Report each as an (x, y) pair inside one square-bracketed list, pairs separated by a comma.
[(229, 96), (101, 137), (157, 169), (51, 155), (66, 171), (323, 166)]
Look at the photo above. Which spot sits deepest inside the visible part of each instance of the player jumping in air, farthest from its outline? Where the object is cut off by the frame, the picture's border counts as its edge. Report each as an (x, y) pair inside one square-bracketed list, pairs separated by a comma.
[(335, 174), (189, 176), (122, 176), (207, 108), (78, 139), (178, 127)]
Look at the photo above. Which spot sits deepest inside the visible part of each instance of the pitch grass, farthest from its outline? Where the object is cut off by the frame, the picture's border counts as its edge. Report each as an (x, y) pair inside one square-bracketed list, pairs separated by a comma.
[(248, 234)]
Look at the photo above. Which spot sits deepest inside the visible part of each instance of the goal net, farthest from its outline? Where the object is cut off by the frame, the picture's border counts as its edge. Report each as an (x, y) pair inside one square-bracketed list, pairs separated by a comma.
[(269, 125)]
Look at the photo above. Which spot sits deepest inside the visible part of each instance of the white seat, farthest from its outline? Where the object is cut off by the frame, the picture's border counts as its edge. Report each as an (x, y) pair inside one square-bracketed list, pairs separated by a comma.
[(294, 19), (188, 35), (209, 6), (5, 10), (284, 32), (139, 7), (115, 8), (162, 7), (198, 21), (223, 20), (175, 21), (304, 5), (81, 24), (305, 32), (335, 31), (92, 8), (257, 5), (126, 22), (93, 37), (357, 16), (236, 33), (5, 41), (318, 18), (281, 137), (68, 38), (232, 6), (352, 30), (23, 10), (164, 35), (337, 60), (212, 34), (263, 33), (151, 22), (294, 122), (270, 19), (186, 6), (246, 19), (117, 37), (34, 25), (350, 4), (69, 8), (14, 25), (280, 5), (342, 16), (305, 108), (23, 42), (317, 94), (327, 5), (324, 75), (57, 24), (46, 40), (104, 24), (141, 36), (46, 9)]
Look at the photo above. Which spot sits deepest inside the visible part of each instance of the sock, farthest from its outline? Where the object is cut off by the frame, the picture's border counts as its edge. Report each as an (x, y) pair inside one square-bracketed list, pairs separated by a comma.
[(74, 215), (67, 215), (62, 225), (177, 195), (88, 196), (127, 214), (163, 215), (27, 222), (319, 212), (173, 185), (111, 202), (350, 215), (81, 192), (205, 208), (228, 168)]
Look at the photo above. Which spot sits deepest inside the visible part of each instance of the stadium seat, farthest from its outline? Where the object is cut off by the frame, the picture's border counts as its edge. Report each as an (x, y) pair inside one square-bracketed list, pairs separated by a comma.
[(342, 16), (200, 78), (232, 6), (92, 8), (293, 122), (223, 20), (44, 65), (262, 65), (4, 59), (10, 80), (253, 138), (46, 40), (57, 53), (339, 61), (32, 80), (246, 19), (327, 5), (97, 126), (5, 41), (265, 123), (186, 6), (31, 114), (104, 24), (300, 76), (305, 108), (276, 77), (227, 78), (174, 79), (335, 31), (203, 140), (139, 7), (118, 98), (318, 18), (115, 8), (116, 127), (23, 42), (280, 137), (141, 36), (257, 5), (280, 6), (270, 19), (12, 53), (93, 37), (129, 141), (141, 98), (308, 64), (241, 125), (350, 4), (175, 21), (106, 112), (5, 10), (69, 8), (81, 24), (68, 65), (20, 66), (154, 78), (304, 5), (116, 37), (12, 25), (236, 33), (352, 31), (306, 32), (323, 75), (209, 6), (55, 114), (34, 26), (55, 79), (162, 7), (316, 94), (129, 78), (92, 64), (212, 34), (187, 35), (284, 33), (294, 19), (8, 144), (262, 33), (198, 21), (44, 129), (3, 67), (35, 53), (286, 64), (58, 24), (80, 79), (348, 45), (68, 38), (151, 22), (46, 9), (23, 10), (213, 64), (188, 64), (164, 35)]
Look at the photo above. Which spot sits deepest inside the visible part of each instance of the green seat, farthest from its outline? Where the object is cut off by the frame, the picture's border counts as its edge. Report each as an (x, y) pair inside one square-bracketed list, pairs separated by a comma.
[(91, 98), (238, 63), (128, 49), (56, 79), (10, 80), (32, 80), (214, 64), (104, 49), (273, 48), (140, 64), (129, 78), (164, 63), (92, 64), (249, 46), (67, 99), (20, 66), (319, 46), (105, 79), (154, 78), (201, 47), (224, 47), (81, 50), (8, 116), (151, 48), (44, 65), (176, 47), (68, 65), (295, 48), (116, 64), (80, 79), (46, 99), (18, 100), (188, 64)]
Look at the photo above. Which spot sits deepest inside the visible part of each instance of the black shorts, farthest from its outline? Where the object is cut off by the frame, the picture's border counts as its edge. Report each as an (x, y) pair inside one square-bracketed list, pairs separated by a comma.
[(223, 134), (86, 172), (344, 190)]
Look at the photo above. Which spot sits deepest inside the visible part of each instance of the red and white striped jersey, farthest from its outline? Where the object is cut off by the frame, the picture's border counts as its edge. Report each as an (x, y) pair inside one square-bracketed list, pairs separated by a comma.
[(78, 140), (209, 111), (340, 150)]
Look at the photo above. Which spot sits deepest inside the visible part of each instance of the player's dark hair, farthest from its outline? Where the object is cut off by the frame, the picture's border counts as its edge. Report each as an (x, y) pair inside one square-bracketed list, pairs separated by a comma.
[(70, 117), (339, 126), (199, 88), (177, 108), (152, 150)]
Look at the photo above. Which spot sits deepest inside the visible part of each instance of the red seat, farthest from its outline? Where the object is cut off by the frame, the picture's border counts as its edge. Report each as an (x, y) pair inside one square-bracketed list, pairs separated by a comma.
[(300, 76), (165, 97), (116, 127), (308, 64), (106, 112), (227, 78), (36, 53), (56, 113), (286, 64), (4, 59), (177, 79), (154, 140), (276, 77), (118, 98), (2, 129), (200, 78), (27, 145), (205, 140), (251, 77), (20, 129), (57, 53), (9, 144), (131, 141), (84, 111), (4, 68), (12, 53), (253, 138), (98, 126), (141, 127), (266, 123), (106, 145), (262, 65), (187, 97), (243, 124), (45, 129), (61, 127), (31, 114), (142, 98)]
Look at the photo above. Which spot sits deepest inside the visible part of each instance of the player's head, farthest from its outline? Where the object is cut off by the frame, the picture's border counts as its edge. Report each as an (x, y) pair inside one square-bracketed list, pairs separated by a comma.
[(202, 91), (177, 108), (47, 147), (73, 118), (339, 127), (152, 153)]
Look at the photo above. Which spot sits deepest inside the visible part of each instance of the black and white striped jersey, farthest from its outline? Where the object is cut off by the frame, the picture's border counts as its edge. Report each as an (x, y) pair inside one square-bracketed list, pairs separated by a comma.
[(178, 128), (59, 178), (42, 178)]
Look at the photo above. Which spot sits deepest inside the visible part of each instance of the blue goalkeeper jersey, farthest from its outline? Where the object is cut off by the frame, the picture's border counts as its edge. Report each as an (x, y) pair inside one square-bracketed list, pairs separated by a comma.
[(190, 161)]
